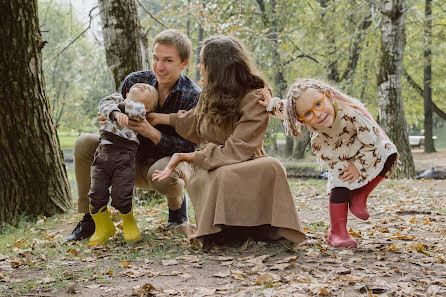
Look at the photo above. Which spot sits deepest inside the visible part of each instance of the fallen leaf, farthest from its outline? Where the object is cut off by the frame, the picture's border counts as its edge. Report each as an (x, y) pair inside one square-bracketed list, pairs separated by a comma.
[(124, 263), (282, 266), (205, 292), (237, 275), (185, 276), (74, 252), (225, 258), (264, 279), (188, 258), (221, 274), (144, 290), (321, 292), (19, 243), (169, 262), (245, 245), (354, 233)]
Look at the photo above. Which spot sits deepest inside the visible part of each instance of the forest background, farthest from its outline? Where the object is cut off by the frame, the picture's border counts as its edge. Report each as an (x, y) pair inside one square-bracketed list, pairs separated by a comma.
[(334, 40), (56, 67)]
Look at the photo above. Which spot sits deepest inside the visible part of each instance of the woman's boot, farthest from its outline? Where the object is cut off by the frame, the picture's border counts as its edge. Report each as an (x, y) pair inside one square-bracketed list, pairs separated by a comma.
[(358, 203), (104, 226), (338, 235), (131, 231)]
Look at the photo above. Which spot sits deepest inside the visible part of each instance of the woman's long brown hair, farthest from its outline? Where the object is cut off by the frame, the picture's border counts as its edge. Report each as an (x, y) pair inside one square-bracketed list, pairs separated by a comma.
[(230, 75)]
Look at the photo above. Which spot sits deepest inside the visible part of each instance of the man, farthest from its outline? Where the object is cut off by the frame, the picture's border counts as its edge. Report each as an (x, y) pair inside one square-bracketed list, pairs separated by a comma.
[(171, 52)]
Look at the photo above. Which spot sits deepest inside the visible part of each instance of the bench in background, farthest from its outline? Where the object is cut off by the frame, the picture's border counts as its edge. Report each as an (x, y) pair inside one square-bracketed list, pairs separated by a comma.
[(418, 141)]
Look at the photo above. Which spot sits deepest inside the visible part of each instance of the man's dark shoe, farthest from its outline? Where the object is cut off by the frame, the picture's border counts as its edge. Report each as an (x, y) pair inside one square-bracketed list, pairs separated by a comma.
[(179, 216), (84, 229)]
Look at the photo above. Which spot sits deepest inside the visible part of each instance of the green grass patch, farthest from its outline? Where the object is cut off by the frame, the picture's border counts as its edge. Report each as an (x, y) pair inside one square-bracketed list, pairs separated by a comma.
[(67, 140), (298, 165), (319, 184)]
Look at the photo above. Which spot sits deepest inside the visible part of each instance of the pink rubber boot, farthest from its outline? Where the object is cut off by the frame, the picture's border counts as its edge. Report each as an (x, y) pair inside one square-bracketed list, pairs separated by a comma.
[(358, 203), (338, 236)]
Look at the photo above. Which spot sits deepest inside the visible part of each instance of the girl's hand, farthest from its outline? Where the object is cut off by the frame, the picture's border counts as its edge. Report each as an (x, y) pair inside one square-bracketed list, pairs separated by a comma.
[(122, 119), (349, 174), (265, 93), (101, 119), (157, 118), (173, 163)]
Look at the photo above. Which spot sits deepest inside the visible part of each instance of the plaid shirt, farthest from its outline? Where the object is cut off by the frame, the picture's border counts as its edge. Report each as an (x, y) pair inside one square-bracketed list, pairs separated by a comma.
[(183, 96)]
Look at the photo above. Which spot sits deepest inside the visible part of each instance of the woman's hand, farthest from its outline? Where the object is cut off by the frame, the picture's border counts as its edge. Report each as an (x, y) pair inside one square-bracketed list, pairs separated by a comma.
[(349, 174), (173, 163), (265, 93), (122, 119), (157, 118)]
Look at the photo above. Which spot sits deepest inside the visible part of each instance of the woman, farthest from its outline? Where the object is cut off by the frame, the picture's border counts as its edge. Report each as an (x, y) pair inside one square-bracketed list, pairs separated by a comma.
[(235, 187)]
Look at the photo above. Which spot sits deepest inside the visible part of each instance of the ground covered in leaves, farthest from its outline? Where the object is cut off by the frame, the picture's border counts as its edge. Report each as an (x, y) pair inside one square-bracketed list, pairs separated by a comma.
[(402, 252)]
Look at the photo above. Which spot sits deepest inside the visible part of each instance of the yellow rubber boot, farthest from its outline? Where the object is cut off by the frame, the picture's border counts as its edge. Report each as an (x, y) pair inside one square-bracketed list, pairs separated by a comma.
[(131, 231), (104, 226)]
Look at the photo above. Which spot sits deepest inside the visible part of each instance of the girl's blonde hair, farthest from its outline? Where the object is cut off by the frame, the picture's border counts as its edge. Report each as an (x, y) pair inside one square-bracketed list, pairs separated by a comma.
[(293, 125)]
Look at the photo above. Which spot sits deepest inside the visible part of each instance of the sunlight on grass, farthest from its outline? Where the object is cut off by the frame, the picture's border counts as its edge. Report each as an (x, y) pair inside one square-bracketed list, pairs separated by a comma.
[(67, 141)]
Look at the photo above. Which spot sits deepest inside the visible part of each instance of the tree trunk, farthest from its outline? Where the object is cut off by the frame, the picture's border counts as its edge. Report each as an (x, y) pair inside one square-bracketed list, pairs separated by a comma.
[(391, 109), (123, 39), (33, 178), (427, 94), (197, 54), (301, 145)]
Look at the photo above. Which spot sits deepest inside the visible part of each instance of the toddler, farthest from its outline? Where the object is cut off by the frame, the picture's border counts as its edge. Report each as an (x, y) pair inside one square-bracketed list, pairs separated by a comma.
[(344, 136), (114, 161)]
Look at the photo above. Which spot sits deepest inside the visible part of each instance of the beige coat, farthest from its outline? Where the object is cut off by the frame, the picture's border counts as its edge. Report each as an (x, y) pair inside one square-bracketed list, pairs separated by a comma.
[(234, 183)]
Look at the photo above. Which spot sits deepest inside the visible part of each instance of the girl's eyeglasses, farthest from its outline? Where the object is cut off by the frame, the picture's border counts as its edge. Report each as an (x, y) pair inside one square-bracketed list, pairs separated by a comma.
[(309, 114)]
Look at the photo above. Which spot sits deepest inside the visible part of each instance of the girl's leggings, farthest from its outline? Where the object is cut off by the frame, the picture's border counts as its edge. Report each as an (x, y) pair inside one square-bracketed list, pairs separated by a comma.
[(341, 195)]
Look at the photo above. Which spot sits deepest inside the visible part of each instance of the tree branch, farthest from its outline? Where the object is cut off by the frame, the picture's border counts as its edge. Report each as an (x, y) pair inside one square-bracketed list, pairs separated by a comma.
[(304, 55), (420, 90), (151, 15), (77, 37)]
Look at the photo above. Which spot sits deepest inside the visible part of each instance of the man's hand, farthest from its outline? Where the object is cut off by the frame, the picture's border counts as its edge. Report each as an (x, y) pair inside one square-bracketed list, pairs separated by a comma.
[(122, 119), (349, 174), (101, 119), (173, 163), (145, 129)]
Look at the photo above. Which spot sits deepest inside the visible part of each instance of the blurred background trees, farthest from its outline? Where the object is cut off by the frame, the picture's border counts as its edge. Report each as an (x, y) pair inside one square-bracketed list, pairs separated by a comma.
[(335, 40)]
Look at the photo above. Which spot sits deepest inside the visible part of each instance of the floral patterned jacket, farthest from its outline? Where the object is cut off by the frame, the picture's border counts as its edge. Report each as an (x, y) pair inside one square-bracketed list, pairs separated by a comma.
[(116, 103), (352, 137)]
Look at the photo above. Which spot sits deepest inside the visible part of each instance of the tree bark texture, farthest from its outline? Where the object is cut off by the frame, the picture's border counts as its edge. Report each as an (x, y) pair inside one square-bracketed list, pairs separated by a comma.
[(198, 52), (33, 178), (124, 41), (271, 22), (391, 109), (427, 93)]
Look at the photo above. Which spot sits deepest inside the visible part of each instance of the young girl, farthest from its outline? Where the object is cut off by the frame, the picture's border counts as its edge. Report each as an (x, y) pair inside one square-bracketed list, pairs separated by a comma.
[(358, 153)]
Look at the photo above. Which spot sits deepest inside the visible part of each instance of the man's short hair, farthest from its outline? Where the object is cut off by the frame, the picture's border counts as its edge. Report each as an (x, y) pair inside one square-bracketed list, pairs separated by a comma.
[(177, 39)]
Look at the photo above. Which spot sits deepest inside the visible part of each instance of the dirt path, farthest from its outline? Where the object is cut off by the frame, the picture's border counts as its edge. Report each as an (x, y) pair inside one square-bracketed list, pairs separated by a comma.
[(402, 252)]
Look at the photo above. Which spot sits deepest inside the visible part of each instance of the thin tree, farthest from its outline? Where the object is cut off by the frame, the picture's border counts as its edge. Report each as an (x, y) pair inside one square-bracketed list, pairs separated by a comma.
[(391, 110), (427, 93), (271, 21), (199, 45), (33, 178), (124, 41)]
